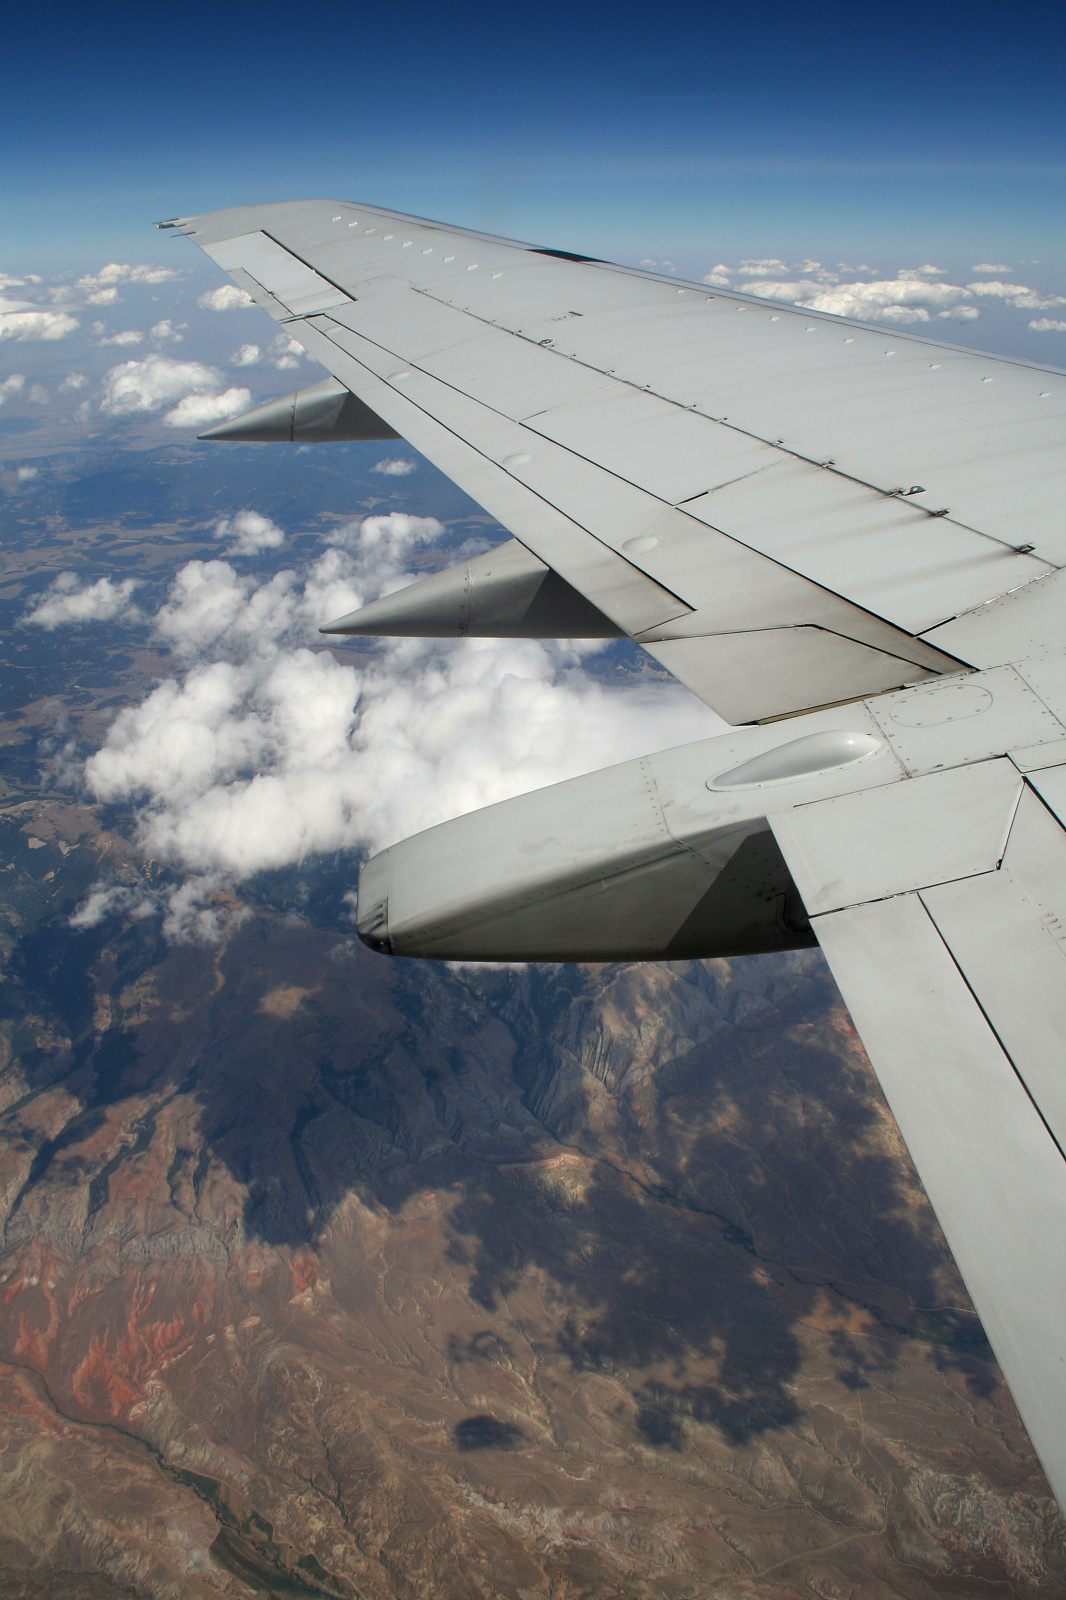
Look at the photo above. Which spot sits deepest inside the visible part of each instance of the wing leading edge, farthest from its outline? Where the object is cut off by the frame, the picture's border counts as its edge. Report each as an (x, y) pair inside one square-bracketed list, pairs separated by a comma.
[(789, 510)]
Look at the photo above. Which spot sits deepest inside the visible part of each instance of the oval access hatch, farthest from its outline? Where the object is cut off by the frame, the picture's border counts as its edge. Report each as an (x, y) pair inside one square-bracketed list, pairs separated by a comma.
[(939, 703), (800, 758)]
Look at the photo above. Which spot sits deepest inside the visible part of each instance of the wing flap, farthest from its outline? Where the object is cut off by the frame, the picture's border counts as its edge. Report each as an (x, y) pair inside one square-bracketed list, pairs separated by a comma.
[(995, 1176), (287, 279), (889, 841), (721, 586), (1017, 972)]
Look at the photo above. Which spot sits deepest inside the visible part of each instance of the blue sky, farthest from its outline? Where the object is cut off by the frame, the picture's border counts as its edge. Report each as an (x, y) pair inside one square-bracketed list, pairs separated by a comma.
[(932, 132)]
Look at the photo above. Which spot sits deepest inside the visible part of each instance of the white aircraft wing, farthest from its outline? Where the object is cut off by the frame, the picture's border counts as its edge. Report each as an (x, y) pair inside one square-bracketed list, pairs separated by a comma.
[(801, 517)]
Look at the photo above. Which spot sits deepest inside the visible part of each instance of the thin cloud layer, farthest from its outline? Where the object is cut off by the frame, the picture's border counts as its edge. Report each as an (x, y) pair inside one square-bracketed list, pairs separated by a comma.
[(66, 602), (263, 751), (915, 295), (1018, 295)]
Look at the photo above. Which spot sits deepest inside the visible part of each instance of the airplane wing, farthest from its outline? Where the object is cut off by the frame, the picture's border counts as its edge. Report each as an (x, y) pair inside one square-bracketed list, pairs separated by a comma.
[(801, 517)]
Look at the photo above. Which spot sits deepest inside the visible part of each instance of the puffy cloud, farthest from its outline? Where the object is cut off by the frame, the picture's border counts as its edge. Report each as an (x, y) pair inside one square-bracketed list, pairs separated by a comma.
[(127, 336), (209, 606), (101, 288), (1018, 295), (1047, 325), (72, 381), (158, 380), (11, 385), (394, 466), (26, 474), (991, 266), (165, 331), (38, 395), (249, 532), (287, 352), (198, 410), (225, 298), (960, 314), (903, 299), (247, 356), (66, 602), (22, 322), (264, 750), (718, 277)]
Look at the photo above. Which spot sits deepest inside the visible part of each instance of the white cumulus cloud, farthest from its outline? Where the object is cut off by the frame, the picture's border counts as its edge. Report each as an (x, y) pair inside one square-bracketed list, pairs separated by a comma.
[(101, 288), (38, 395), (127, 336), (226, 298), (249, 532), (165, 332), (199, 410), (263, 750), (1047, 325), (247, 356), (394, 466), (991, 266), (26, 474), (193, 390), (72, 381), (287, 352), (22, 323), (67, 602), (11, 385), (156, 381), (903, 299)]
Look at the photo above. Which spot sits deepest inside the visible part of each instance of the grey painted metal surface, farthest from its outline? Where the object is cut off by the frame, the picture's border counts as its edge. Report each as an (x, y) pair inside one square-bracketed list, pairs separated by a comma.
[(322, 413), (788, 510), (507, 593), (536, 364)]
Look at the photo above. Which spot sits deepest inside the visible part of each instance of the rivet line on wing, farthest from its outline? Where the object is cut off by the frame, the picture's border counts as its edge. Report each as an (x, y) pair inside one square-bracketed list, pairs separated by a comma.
[(723, 422)]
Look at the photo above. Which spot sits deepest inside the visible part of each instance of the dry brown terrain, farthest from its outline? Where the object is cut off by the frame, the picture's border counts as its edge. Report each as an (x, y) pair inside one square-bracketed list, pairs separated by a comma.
[(328, 1275)]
